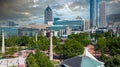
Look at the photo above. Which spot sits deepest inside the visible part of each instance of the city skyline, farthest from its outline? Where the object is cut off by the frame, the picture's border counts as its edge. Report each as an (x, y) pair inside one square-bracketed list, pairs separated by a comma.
[(33, 11)]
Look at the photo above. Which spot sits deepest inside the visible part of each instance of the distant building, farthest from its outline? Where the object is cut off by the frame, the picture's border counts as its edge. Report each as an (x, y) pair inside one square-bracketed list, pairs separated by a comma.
[(78, 18), (11, 23), (86, 25), (28, 30), (103, 22), (63, 28), (85, 60), (94, 13), (48, 15)]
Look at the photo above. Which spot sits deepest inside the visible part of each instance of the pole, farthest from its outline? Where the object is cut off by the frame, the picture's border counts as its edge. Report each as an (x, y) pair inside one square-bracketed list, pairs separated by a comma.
[(3, 43), (51, 49), (36, 37)]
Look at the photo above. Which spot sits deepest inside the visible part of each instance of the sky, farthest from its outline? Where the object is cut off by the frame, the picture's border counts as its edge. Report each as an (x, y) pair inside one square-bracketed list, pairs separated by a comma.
[(32, 11)]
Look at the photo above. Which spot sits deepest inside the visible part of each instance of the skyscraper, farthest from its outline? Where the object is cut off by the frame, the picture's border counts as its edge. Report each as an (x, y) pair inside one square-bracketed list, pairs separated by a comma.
[(48, 15), (93, 13), (102, 15)]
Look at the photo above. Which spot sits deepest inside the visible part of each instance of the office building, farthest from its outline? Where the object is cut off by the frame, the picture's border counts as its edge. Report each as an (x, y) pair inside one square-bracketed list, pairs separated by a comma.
[(103, 22), (94, 13), (48, 15)]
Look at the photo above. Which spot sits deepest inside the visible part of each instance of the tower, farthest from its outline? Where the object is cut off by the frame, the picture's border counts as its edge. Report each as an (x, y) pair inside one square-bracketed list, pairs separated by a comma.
[(51, 47), (102, 15), (93, 13), (48, 15), (3, 43)]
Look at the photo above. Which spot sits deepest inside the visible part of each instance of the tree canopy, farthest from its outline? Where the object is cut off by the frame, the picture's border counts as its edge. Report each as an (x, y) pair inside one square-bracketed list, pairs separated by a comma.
[(70, 48)]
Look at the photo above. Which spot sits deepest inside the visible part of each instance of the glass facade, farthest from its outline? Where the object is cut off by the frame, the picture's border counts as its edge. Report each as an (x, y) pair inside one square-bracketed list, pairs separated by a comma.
[(63, 24), (18, 31)]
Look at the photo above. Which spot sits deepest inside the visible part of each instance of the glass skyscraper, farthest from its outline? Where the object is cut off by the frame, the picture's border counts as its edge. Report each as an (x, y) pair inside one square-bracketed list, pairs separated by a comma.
[(94, 13), (48, 15)]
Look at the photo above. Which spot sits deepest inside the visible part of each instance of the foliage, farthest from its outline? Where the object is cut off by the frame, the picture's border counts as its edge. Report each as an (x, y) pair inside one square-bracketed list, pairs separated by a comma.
[(56, 40), (11, 50), (23, 40), (31, 43), (114, 46), (83, 38), (11, 41), (101, 44), (43, 42), (38, 60), (70, 49), (113, 61)]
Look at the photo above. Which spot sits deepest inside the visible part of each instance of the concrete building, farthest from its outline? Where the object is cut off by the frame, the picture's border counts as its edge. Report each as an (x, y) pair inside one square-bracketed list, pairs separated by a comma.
[(86, 25), (103, 22)]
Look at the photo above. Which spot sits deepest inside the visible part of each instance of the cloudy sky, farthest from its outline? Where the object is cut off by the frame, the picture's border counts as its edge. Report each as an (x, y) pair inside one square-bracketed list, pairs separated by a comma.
[(32, 11)]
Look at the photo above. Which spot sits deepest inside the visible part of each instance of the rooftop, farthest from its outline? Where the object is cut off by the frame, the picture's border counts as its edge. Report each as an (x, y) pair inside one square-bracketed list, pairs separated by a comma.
[(85, 60)]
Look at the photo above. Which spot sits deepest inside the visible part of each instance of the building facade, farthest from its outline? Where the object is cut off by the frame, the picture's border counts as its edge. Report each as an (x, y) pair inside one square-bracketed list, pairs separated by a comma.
[(103, 22), (94, 13), (48, 15), (63, 28)]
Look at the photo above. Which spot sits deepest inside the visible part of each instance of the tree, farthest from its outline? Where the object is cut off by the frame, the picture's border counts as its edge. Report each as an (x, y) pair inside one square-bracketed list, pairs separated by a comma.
[(31, 61), (114, 46), (38, 60), (70, 49), (101, 45), (56, 40), (83, 38), (11, 41), (23, 40), (113, 61), (43, 42), (31, 43)]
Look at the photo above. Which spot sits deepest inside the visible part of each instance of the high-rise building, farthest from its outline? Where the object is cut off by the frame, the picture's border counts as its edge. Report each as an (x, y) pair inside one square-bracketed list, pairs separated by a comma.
[(102, 14), (94, 13), (48, 15), (86, 25)]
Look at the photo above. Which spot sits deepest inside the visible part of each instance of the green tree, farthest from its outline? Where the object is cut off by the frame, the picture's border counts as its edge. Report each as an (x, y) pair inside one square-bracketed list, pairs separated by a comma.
[(70, 48), (11, 41), (56, 40), (38, 60), (113, 61), (32, 43), (101, 45), (23, 40), (31, 61), (83, 38), (43, 42), (113, 45)]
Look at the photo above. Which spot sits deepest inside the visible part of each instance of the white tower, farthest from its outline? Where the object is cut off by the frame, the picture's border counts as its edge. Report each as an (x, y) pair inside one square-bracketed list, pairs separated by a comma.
[(3, 43), (51, 47), (36, 35)]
